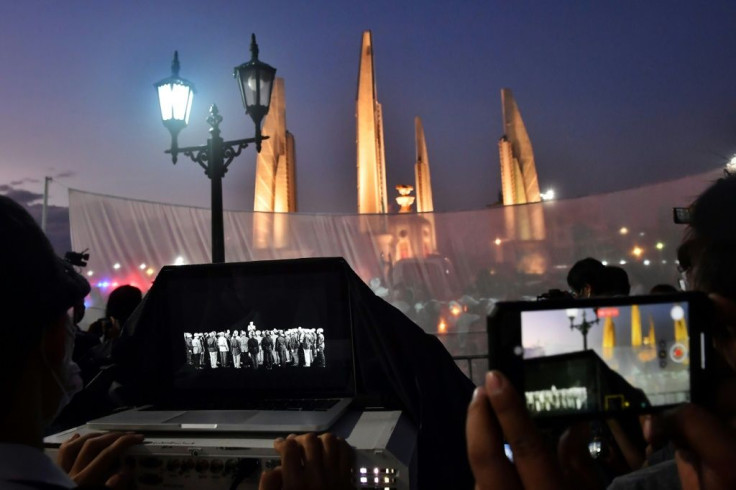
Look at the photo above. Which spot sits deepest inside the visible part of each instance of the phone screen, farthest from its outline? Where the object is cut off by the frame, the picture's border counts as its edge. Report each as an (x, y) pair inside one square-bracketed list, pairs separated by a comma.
[(589, 360)]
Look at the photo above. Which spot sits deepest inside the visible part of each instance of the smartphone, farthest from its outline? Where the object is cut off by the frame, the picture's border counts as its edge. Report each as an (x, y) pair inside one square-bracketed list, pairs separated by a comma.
[(600, 356)]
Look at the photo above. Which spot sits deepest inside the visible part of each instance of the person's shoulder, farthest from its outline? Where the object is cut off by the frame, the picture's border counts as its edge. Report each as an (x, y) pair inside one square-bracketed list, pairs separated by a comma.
[(655, 477), (25, 467)]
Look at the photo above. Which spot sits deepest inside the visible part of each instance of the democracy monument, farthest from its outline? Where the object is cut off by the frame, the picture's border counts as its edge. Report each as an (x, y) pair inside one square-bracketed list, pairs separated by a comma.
[(444, 270)]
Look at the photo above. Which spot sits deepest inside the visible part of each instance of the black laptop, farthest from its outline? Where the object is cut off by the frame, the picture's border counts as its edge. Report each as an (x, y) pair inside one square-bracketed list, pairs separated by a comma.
[(256, 346)]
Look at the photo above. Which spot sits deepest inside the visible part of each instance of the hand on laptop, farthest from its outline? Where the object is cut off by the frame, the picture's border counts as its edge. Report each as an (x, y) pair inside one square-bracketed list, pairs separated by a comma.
[(93, 459), (310, 462), (497, 413)]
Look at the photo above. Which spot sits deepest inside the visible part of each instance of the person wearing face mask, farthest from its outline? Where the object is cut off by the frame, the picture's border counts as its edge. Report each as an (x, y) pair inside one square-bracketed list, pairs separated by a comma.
[(38, 376)]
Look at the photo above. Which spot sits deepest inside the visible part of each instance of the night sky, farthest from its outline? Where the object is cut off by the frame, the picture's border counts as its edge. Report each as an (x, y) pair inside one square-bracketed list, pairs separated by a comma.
[(613, 94)]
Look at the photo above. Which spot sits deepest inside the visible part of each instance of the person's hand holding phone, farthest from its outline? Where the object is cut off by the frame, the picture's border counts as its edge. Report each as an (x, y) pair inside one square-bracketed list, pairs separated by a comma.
[(497, 413)]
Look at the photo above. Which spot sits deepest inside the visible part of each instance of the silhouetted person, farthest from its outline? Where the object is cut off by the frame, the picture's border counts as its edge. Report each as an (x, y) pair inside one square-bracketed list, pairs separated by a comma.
[(614, 282), (663, 289), (37, 374), (585, 277), (121, 303)]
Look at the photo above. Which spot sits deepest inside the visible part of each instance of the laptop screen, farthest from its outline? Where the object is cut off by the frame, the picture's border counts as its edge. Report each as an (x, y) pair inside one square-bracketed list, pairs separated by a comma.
[(255, 330)]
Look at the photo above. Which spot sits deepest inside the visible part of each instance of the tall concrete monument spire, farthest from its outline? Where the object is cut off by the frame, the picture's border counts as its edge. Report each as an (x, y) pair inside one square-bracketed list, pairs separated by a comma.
[(372, 196), (424, 192), (275, 189), (421, 171), (519, 183)]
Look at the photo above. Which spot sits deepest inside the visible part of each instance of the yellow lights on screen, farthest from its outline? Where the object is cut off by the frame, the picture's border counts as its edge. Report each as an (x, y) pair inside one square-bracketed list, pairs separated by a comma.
[(497, 241), (623, 230), (659, 245), (637, 251)]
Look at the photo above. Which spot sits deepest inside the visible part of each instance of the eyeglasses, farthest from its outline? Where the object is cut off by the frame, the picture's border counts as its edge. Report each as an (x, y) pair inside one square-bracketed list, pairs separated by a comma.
[(683, 279)]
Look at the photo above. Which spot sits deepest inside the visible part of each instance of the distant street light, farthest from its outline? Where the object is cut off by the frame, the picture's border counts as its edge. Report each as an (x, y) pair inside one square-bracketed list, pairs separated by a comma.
[(731, 166), (175, 95), (547, 196)]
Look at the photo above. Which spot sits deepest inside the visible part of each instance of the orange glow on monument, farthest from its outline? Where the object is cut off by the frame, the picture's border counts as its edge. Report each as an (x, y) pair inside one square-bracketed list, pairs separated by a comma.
[(425, 203), (519, 183), (275, 186), (370, 151), (405, 199)]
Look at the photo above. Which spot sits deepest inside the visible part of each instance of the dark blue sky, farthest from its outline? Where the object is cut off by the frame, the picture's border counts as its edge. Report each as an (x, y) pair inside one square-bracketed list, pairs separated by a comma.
[(614, 94)]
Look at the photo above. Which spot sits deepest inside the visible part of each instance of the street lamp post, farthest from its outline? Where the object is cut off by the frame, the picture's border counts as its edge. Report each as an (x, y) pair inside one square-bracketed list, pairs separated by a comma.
[(583, 326), (176, 94)]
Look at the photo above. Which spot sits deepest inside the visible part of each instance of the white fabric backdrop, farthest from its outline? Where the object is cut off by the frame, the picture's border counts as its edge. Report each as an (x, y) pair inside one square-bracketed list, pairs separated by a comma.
[(527, 260)]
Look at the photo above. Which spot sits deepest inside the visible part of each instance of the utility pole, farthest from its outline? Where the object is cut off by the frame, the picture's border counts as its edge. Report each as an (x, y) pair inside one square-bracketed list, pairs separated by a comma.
[(45, 203)]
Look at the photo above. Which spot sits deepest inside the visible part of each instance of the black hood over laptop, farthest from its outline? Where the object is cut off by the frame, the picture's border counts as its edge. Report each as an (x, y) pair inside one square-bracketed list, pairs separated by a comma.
[(398, 366)]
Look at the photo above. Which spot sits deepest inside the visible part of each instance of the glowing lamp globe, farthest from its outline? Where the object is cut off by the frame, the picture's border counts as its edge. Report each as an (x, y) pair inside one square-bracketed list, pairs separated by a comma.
[(255, 80), (731, 166), (677, 312), (175, 96)]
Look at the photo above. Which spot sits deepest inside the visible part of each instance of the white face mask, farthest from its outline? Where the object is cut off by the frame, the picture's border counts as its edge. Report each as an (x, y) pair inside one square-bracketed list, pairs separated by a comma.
[(68, 379)]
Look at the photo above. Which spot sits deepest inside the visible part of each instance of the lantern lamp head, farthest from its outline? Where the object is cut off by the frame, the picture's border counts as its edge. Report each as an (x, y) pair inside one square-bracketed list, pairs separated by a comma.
[(175, 96), (255, 80)]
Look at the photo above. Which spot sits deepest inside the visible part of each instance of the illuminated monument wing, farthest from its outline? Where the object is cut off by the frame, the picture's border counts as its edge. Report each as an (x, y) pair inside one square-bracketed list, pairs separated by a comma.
[(424, 191), (275, 189), (370, 153), (421, 172), (519, 185), (518, 174)]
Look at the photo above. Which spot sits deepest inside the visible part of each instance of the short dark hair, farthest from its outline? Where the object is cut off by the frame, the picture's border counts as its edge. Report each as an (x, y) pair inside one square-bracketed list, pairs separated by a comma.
[(663, 289), (585, 272), (36, 287), (615, 282), (35, 283), (122, 301), (710, 245)]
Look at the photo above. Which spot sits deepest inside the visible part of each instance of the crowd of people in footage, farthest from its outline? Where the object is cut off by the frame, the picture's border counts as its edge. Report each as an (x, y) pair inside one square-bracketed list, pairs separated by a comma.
[(256, 349)]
